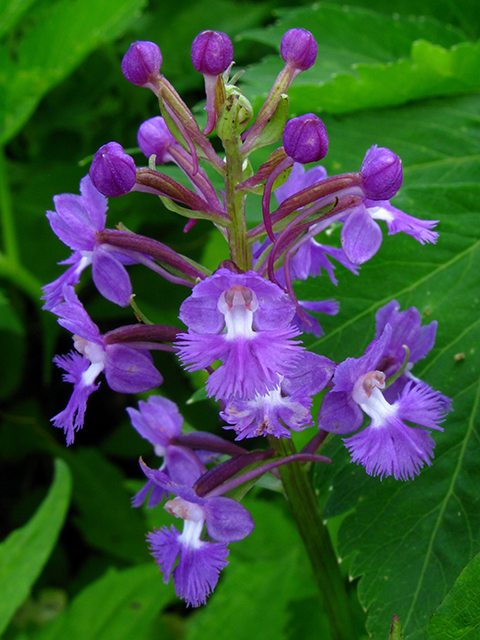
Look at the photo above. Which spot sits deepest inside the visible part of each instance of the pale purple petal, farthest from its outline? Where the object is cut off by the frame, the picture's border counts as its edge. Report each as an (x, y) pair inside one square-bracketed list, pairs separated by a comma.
[(227, 520), (361, 236), (111, 278), (129, 370), (339, 413)]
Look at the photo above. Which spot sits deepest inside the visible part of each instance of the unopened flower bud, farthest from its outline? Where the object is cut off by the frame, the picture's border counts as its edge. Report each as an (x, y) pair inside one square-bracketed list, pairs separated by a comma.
[(382, 173), (212, 52), (299, 47), (305, 139), (113, 171), (142, 63), (154, 138)]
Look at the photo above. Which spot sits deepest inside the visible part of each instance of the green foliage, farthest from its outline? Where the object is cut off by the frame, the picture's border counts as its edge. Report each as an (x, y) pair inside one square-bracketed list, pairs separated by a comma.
[(24, 553), (119, 606), (459, 614)]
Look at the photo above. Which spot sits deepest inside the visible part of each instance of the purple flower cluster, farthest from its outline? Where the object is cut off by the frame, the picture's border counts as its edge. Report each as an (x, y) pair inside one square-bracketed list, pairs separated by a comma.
[(242, 323)]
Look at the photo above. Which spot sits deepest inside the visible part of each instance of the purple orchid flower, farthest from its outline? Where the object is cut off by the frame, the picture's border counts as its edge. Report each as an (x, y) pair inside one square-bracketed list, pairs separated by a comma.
[(285, 407), (127, 369), (387, 446), (76, 221), (199, 561), (257, 347), (159, 421)]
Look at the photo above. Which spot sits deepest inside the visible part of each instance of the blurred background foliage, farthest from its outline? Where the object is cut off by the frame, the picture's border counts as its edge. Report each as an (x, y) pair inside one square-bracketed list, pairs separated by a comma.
[(62, 95)]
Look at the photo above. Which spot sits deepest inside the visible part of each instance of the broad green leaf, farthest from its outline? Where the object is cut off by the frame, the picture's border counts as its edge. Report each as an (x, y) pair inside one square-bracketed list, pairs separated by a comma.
[(10, 13), (410, 540), (430, 71), (462, 13), (458, 617), (24, 553), (121, 605), (368, 59), (106, 518), (60, 35)]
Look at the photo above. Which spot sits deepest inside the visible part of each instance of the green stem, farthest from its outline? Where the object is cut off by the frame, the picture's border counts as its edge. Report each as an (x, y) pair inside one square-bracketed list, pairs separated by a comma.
[(239, 248), (307, 515), (8, 228)]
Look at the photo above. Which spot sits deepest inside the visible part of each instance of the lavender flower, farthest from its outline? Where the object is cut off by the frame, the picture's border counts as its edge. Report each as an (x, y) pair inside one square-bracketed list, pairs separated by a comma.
[(141, 64), (299, 48), (76, 221), (387, 446), (199, 562), (305, 139), (256, 348), (113, 171), (285, 407), (127, 369), (159, 421)]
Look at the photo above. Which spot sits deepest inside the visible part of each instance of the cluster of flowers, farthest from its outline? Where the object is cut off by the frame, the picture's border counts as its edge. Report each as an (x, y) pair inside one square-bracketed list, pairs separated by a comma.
[(244, 320)]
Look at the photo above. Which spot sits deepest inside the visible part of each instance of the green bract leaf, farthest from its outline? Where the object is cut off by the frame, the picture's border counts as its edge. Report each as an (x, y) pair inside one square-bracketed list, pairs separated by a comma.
[(410, 540), (24, 553), (119, 606), (59, 36), (458, 617)]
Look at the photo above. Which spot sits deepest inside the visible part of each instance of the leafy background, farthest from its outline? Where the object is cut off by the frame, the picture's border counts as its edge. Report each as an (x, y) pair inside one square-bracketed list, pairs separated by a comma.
[(400, 74)]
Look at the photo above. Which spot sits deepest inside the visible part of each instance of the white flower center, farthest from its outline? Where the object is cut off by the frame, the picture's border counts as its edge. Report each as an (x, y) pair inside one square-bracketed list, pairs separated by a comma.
[(238, 305)]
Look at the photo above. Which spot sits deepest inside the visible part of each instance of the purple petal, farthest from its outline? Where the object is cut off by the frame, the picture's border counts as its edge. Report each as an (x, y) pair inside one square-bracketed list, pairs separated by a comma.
[(391, 449), (339, 413), (111, 277), (196, 574), (361, 236), (421, 405), (158, 420), (129, 370), (165, 547), (227, 520), (74, 318)]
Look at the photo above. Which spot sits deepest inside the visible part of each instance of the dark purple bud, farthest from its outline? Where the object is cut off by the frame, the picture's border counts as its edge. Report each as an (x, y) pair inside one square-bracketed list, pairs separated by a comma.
[(142, 61), (154, 138), (299, 47), (212, 52), (382, 173), (305, 138), (113, 171)]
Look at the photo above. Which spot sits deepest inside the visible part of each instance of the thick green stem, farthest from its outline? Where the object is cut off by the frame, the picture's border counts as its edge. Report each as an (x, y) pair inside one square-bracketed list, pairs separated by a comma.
[(307, 515), (239, 248)]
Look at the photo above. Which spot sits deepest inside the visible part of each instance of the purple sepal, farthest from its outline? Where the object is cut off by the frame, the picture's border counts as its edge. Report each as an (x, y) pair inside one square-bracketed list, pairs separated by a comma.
[(142, 63), (339, 413), (212, 52), (382, 173), (53, 291), (154, 138), (311, 374), (129, 370), (110, 277), (330, 307), (361, 236), (112, 171), (299, 47), (305, 139), (157, 494), (158, 420), (227, 520)]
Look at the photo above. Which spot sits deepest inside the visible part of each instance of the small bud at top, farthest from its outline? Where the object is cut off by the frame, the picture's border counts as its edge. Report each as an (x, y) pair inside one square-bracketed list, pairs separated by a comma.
[(113, 171), (382, 173), (142, 61), (305, 139), (212, 52), (154, 138), (299, 47)]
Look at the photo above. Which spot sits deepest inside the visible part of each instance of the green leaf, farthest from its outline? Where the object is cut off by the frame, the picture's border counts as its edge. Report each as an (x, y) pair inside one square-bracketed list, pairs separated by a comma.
[(458, 617), (10, 13), (367, 59), (24, 553), (119, 606), (59, 36), (410, 540)]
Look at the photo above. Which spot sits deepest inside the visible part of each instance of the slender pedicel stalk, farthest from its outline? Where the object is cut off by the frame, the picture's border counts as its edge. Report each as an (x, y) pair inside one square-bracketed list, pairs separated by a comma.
[(314, 533)]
